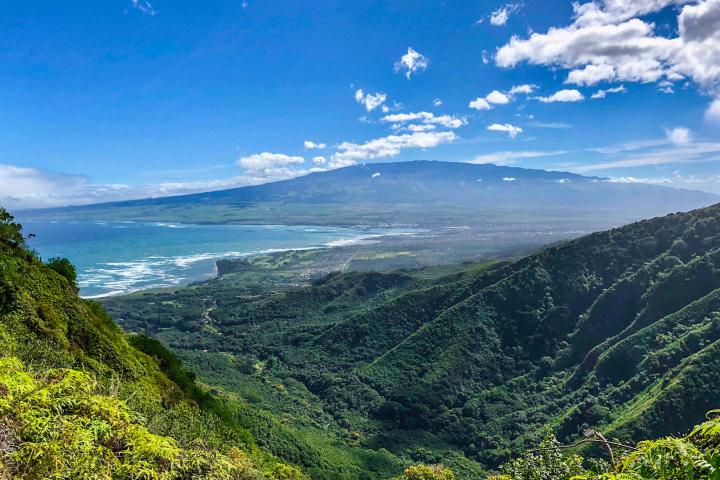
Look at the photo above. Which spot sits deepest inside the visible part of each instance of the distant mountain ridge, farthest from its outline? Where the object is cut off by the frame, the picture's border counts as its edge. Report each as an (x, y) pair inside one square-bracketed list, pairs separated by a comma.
[(420, 192)]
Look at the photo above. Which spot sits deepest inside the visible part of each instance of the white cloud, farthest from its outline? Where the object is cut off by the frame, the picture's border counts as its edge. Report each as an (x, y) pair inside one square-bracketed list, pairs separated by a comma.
[(712, 114), (411, 63), (511, 130), (679, 135), (500, 16), (525, 89), (319, 160), (509, 179), (556, 125), (480, 104), (375, 175), (656, 181), (673, 154), (390, 146), (591, 75), (437, 102), (666, 86), (629, 146), (22, 187), (415, 128), (603, 93), (607, 41), (511, 157), (497, 97), (310, 145), (426, 118), (269, 165), (144, 6), (566, 95), (371, 101)]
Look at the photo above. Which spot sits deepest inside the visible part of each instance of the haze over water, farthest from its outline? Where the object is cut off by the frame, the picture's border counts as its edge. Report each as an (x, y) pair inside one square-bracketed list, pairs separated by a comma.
[(113, 258)]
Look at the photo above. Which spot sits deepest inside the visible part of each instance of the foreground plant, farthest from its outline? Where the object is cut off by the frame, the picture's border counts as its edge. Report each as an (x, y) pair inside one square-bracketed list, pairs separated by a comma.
[(695, 456), (56, 426)]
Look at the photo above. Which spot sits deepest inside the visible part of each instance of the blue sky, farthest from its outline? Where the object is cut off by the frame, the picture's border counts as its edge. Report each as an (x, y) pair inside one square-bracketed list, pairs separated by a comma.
[(133, 98)]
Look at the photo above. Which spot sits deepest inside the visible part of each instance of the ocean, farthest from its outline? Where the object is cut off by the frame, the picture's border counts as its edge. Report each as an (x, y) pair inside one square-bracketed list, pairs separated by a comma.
[(114, 258)]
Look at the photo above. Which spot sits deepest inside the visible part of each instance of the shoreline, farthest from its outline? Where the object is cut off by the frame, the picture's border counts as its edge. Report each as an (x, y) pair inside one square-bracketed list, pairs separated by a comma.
[(213, 258)]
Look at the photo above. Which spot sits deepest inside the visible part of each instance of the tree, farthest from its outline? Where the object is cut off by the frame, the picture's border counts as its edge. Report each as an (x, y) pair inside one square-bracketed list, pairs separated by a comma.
[(63, 266), (428, 472), (286, 472), (10, 230)]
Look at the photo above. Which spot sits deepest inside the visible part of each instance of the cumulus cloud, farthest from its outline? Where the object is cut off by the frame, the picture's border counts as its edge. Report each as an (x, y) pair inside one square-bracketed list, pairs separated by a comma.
[(564, 96), (319, 160), (712, 114), (500, 16), (480, 104), (425, 118), (497, 97), (270, 165), (608, 41), (511, 130), (602, 93), (412, 62), (525, 89), (310, 145), (512, 157), (437, 102), (371, 101), (390, 146), (679, 135), (413, 127)]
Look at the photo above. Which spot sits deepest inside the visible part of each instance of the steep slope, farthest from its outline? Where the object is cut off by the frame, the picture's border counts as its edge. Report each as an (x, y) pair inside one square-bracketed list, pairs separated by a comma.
[(80, 399), (618, 330), (419, 192)]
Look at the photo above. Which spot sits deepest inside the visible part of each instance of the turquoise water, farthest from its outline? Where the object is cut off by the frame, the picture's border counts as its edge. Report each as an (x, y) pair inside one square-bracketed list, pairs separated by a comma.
[(121, 257)]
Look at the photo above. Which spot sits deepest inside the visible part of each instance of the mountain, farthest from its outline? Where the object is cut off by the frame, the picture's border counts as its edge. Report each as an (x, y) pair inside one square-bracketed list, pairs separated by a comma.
[(618, 331), (416, 192)]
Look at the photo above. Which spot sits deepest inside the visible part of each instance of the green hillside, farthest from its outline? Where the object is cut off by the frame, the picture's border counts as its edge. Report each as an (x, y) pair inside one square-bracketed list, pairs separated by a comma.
[(81, 399), (363, 374), (617, 331)]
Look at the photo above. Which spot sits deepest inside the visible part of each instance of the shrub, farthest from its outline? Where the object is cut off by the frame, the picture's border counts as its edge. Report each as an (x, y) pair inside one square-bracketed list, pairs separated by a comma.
[(428, 472), (56, 426), (63, 266)]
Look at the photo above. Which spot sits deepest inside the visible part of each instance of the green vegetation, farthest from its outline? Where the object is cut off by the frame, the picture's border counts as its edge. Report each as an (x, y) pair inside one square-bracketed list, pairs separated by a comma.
[(693, 456), (65, 268), (80, 399), (618, 331), (432, 374), (58, 427)]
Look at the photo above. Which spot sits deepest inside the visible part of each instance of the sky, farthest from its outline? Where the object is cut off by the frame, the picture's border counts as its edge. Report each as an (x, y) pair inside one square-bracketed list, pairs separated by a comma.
[(125, 99)]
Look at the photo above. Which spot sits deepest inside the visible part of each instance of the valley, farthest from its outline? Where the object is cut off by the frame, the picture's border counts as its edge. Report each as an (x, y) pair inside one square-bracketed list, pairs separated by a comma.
[(464, 365)]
